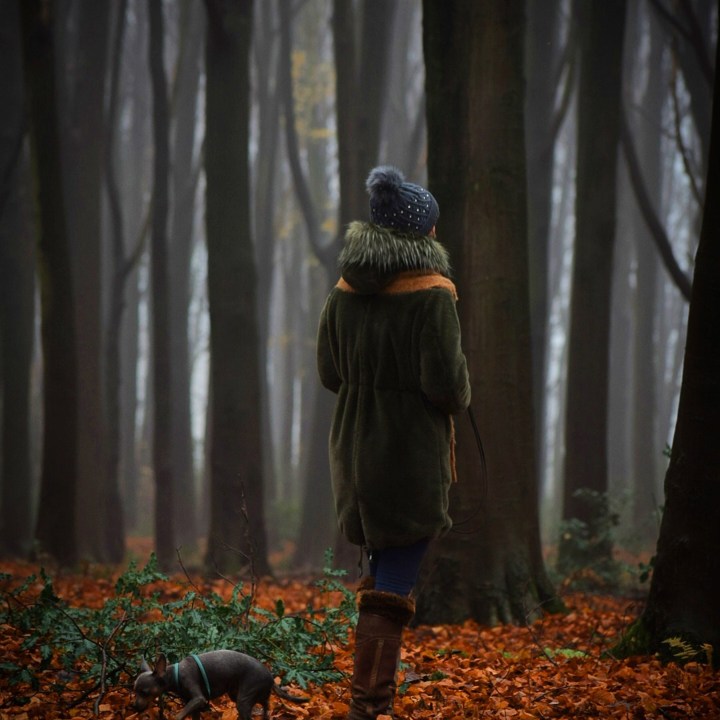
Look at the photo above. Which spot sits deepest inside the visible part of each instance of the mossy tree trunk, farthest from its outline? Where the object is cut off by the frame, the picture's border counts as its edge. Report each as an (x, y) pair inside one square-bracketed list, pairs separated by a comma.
[(491, 568)]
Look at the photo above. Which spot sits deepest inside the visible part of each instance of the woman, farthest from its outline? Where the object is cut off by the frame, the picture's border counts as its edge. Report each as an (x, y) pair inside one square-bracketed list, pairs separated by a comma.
[(389, 346)]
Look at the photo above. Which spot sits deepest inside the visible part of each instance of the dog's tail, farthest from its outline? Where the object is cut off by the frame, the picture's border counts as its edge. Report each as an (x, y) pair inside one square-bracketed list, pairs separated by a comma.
[(285, 695)]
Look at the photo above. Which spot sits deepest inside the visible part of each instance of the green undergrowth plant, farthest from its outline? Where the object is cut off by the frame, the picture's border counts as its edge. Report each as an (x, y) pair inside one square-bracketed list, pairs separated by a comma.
[(96, 648), (585, 554)]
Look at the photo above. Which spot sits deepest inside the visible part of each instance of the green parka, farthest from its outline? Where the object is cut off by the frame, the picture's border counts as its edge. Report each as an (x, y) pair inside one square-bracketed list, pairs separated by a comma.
[(392, 354)]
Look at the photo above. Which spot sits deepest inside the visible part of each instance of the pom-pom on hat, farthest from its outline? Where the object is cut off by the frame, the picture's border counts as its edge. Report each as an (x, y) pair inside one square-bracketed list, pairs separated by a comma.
[(401, 205)]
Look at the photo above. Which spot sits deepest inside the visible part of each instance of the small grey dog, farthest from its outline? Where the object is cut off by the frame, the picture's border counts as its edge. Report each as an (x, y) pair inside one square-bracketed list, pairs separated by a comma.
[(200, 678)]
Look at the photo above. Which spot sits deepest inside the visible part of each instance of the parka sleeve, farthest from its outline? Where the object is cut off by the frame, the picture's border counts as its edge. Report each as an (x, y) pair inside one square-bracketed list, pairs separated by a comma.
[(327, 369), (443, 368)]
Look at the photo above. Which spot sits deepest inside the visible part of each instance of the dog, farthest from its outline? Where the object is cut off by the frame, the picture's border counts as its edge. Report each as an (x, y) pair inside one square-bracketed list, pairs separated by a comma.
[(200, 678)]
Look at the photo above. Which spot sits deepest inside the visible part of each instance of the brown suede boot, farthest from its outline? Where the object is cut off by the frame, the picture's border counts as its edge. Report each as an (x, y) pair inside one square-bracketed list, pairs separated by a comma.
[(378, 637)]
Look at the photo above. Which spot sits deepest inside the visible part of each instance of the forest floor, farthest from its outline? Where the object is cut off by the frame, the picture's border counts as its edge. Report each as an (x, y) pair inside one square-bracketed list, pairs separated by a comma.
[(555, 668)]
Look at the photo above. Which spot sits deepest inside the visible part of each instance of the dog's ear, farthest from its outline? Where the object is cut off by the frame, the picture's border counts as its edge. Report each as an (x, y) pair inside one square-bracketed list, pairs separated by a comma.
[(144, 667), (160, 664)]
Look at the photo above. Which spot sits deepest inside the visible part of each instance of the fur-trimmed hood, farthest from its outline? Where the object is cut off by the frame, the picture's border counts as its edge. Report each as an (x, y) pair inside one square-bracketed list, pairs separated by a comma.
[(372, 255)]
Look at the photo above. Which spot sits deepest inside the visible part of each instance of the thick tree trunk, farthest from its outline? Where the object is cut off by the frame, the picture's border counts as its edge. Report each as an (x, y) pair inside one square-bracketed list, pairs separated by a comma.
[(84, 172), (601, 31), (490, 568), (165, 533), (17, 299), (237, 530), (685, 588), (56, 525)]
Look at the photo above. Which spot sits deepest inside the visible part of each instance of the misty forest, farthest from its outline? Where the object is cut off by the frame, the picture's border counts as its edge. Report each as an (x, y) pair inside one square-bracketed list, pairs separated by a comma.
[(176, 177)]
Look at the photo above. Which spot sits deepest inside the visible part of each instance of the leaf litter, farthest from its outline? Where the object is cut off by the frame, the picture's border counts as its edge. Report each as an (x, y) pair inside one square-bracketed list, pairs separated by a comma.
[(558, 667)]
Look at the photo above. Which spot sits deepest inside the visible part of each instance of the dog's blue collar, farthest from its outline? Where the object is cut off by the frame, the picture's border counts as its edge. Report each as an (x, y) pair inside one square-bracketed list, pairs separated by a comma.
[(176, 674)]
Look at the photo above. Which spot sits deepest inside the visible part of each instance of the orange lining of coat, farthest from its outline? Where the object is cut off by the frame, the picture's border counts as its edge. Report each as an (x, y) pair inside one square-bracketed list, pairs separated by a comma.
[(410, 281)]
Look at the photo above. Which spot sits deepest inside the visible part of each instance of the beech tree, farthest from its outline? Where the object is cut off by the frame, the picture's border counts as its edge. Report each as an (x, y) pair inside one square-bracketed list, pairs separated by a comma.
[(17, 298), (161, 364), (100, 536), (490, 567), (361, 66), (685, 587), (237, 530), (601, 32), (56, 526)]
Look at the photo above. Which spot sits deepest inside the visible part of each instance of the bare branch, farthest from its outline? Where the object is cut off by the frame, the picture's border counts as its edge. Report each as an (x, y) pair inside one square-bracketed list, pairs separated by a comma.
[(684, 153), (657, 231), (692, 34)]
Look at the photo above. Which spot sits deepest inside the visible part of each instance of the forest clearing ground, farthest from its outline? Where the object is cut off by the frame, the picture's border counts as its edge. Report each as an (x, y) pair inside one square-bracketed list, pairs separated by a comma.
[(554, 668)]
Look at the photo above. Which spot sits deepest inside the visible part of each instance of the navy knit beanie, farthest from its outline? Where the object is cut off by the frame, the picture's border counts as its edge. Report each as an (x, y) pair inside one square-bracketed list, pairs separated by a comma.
[(400, 205)]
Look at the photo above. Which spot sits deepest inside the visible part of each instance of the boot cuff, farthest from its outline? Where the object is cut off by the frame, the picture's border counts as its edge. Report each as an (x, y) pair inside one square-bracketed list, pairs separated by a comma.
[(394, 607)]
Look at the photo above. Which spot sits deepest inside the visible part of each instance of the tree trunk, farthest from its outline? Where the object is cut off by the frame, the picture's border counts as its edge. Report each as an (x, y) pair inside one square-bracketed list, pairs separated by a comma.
[(56, 524), (84, 170), (265, 176), (115, 525), (490, 567), (237, 530), (685, 588), (601, 28), (542, 68), (184, 179), (17, 324), (360, 87), (162, 439), (361, 83), (646, 456), (17, 300), (403, 123), (315, 535), (133, 148)]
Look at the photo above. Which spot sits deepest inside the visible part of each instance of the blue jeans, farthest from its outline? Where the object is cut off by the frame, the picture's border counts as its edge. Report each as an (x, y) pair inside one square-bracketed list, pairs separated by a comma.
[(396, 569)]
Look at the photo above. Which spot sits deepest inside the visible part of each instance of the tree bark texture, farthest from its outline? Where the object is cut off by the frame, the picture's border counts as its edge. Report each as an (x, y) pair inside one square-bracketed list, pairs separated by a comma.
[(17, 299), (184, 183), (361, 84), (645, 434), (56, 522), (119, 271), (165, 532), (84, 171), (601, 32), (543, 76), (489, 567), (237, 531), (685, 588)]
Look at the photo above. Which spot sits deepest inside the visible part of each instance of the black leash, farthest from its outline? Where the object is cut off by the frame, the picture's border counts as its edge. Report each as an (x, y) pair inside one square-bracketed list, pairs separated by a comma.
[(483, 479)]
